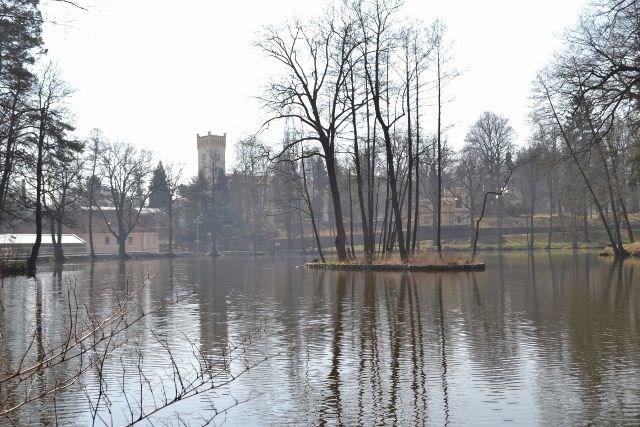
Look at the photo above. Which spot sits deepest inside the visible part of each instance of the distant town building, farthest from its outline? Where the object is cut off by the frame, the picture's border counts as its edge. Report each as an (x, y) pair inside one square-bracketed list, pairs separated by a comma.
[(211, 153), (144, 238), (15, 244)]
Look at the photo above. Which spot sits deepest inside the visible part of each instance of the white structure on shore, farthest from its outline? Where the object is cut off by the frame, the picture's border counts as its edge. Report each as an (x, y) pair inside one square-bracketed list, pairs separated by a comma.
[(211, 153)]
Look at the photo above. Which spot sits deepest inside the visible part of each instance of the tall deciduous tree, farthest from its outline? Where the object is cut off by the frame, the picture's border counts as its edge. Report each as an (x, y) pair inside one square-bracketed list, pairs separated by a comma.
[(315, 60), (376, 21), (50, 126), (125, 172), (62, 190), (491, 137), (92, 184), (173, 178)]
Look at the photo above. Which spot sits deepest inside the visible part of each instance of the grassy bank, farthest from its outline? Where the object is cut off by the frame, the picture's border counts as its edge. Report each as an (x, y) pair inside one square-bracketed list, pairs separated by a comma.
[(511, 242), (520, 242), (12, 267)]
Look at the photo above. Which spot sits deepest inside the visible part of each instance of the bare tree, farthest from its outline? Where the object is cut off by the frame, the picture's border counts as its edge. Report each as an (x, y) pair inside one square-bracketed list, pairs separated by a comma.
[(62, 190), (304, 190), (440, 57), (95, 140), (315, 57), (376, 22), (491, 138), (174, 182), (574, 110), (50, 127), (124, 171), (470, 173), (253, 172), (590, 84)]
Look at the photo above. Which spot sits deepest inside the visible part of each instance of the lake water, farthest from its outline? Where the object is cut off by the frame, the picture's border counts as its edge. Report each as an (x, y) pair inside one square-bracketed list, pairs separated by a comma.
[(534, 339)]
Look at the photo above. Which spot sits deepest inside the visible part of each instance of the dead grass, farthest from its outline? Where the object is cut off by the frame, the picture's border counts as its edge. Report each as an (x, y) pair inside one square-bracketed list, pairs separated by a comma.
[(423, 258), (632, 248)]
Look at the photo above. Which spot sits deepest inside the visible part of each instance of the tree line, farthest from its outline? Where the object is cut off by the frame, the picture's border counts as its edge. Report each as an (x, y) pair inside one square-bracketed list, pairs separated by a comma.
[(46, 171), (355, 83), (364, 94)]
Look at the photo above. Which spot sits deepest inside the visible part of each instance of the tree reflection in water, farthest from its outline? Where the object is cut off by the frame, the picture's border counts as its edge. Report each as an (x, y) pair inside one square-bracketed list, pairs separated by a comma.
[(536, 338)]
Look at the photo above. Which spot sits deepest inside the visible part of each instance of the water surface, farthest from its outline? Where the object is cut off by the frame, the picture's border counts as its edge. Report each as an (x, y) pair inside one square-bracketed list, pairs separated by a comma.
[(535, 339)]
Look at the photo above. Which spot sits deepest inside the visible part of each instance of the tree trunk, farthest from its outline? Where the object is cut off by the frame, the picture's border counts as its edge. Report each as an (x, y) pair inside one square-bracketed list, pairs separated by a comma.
[(58, 251), (472, 217), (616, 250), (171, 226), (122, 246), (385, 220), (574, 232), (122, 235), (92, 251), (475, 238), (585, 226), (52, 232), (533, 202), (304, 249), (35, 249), (371, 181), (625, 216), (439, 181), (8, 156), (367, 239), (340, 240), (417, 157), (395, 204), (614, 210), (212, 226), (550, 230), (409, 156), (353, 250), (310, 207), (91, 198)]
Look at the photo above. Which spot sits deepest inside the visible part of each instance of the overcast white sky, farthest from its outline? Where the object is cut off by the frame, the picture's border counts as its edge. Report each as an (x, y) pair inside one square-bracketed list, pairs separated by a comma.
[(157, 72)]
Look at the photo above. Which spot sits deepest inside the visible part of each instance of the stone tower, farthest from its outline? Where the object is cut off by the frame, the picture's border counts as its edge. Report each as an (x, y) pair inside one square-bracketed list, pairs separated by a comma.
[(211, 153)]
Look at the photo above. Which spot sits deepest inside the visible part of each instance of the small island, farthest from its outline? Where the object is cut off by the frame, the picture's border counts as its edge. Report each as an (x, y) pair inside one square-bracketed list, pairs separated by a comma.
[(416, 263)]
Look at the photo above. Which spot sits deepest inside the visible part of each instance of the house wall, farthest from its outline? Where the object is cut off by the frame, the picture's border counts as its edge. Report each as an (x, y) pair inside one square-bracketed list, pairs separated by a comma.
[(143, 238), (105, 243)]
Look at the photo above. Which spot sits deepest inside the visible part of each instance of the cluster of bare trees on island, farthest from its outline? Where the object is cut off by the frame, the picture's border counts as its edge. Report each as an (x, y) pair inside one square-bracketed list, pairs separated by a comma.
[(352, 80), (355, 83)]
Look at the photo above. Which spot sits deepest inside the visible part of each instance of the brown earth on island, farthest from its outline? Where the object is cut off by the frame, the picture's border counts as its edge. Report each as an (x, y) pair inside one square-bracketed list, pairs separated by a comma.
[(633, 250), (420, 262)]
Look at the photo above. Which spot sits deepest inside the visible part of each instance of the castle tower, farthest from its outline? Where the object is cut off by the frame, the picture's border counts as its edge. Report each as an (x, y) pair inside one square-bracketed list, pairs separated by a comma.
[(211, 153)]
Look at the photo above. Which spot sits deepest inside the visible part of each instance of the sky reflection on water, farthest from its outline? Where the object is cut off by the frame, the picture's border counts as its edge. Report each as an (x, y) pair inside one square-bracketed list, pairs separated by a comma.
[(535, 339)]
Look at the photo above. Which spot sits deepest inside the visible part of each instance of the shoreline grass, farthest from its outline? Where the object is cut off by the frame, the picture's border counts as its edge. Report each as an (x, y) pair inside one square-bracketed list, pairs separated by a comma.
[(13, 268), (430, 261)]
